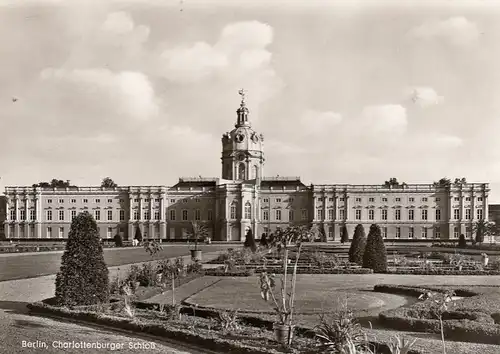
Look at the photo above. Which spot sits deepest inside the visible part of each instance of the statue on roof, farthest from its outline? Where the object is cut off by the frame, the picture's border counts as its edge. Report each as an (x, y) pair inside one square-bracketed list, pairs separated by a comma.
[(242, 93)]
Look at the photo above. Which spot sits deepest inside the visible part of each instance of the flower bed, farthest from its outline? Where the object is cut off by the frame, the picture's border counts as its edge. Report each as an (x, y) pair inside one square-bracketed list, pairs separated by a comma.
[(472, 319), (442, 271), (320, 270), (201, 327), (219, 272)]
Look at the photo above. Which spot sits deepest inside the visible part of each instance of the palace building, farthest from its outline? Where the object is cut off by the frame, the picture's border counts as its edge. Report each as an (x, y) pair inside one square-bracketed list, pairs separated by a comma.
[(243, 197)]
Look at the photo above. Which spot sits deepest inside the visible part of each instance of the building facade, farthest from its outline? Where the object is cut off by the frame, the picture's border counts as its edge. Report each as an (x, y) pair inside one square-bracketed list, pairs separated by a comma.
[(244, 198)]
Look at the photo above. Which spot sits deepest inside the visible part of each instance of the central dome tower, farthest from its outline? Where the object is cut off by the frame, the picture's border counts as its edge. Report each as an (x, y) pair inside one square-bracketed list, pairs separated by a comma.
[(242, 148)]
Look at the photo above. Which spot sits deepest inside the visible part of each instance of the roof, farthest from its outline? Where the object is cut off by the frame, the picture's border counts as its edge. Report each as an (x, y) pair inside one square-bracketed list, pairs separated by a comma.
[(281, 181)]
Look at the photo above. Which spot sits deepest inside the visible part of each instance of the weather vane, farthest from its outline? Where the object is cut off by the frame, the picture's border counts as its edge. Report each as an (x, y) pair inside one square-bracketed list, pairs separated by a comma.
[(242, 93)]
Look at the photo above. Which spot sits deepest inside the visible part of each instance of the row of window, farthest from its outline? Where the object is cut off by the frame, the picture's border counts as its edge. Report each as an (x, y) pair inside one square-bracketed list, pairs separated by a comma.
[(372, 199), (411, 214), (136, 200), (49, 233)]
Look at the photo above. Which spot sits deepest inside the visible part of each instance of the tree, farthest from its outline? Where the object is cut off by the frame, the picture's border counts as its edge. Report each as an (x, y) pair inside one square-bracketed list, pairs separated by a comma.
[(358, 245), (198, 232), (263, 240), (462, 243), (375, 255), (344, 236), (483, 228), (118, 240), (250, 241), (54, 183), (83, 278), (138, 234), (393, 182), (107, 182), (443, 182)]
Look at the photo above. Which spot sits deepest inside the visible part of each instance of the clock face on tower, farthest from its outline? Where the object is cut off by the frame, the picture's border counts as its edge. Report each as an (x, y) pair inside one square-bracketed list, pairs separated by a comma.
[(239, 137), (241, 157)]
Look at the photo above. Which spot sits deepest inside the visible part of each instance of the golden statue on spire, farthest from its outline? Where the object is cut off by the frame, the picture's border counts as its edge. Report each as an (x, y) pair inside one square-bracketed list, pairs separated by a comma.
[(242, 93)]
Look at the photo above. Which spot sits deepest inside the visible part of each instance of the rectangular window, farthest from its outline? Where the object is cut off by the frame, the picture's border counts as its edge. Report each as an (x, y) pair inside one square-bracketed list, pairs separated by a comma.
[(398, 199), (248, 211), (438, 199), (371, 199), (341, 214), (122, 200), (110, 215), (330, 232), (397, 215), (291, 215), (49, 201), (320, 199), (157, 215), (467, 214), (172, 215), (32, 231), (97, 215), (147, 200), (61, 215), (110, 200), (342, 199), (136, 214), (97, 200), (319, 214), (266, 200), (411, 199), (456, 214), (424, 232), (73, 214), (233, 212), (358, 199), (109, 232), (172, 201), (437, 232), (32, 214), (265, 215), (424, 214), (424, 199), (384, 199), (479, 199), (371, 214), (330, 214), (456, 232), (278, 200), (278, 214), (384, 232), (197, 200), (49, 232), (184, 215), (49, 215), (197, 214), (456, 199), (330, 199), (438, 214), (210, 215), (398, 232), (479, 213), (23, 214), (358, 214), (61, 201), (411, 232), (13, 214), (147, 215), (73, 201), (411, 214), (304, 214), (384, 214), (61, 232), (85, 201), (467, 199), (122, 215)]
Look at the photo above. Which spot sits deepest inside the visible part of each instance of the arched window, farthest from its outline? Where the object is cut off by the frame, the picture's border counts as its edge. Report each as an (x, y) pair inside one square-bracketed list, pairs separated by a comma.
[(255, 172), (248, 210), (232, 210), (242, 171)]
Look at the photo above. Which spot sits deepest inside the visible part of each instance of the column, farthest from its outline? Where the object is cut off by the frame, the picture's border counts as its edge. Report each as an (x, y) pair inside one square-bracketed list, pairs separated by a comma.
[(472, 211), (315, 214), (38, 216), (163, 224), (7, 218), (16, 227), (346, 206), (27, 224)]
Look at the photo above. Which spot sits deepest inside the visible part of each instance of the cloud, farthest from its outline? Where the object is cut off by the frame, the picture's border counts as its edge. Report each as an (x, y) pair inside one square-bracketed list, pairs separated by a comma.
[(276, 147), (457, 30), (439, 140), (383, 119), (240, 52), (317, 122), (121, 24), (128, 93), (423, 96)]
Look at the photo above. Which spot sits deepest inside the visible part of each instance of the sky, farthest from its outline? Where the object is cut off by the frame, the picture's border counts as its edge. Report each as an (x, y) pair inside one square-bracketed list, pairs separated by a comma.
[(343, 91)]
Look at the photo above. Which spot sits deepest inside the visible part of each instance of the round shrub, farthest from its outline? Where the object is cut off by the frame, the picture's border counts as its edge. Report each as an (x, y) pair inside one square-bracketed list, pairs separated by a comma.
[(83, 278), (358, 244), (375, 255)]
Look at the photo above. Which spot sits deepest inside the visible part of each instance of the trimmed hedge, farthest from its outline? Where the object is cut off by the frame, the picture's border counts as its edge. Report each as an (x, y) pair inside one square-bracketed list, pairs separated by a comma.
[(230, 273), (322, 271), (437, 271), (468, 323)]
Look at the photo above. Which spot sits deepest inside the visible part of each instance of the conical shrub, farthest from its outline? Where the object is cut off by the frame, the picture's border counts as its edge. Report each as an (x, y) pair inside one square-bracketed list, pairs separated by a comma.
[(358, 244), (375, 255)]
